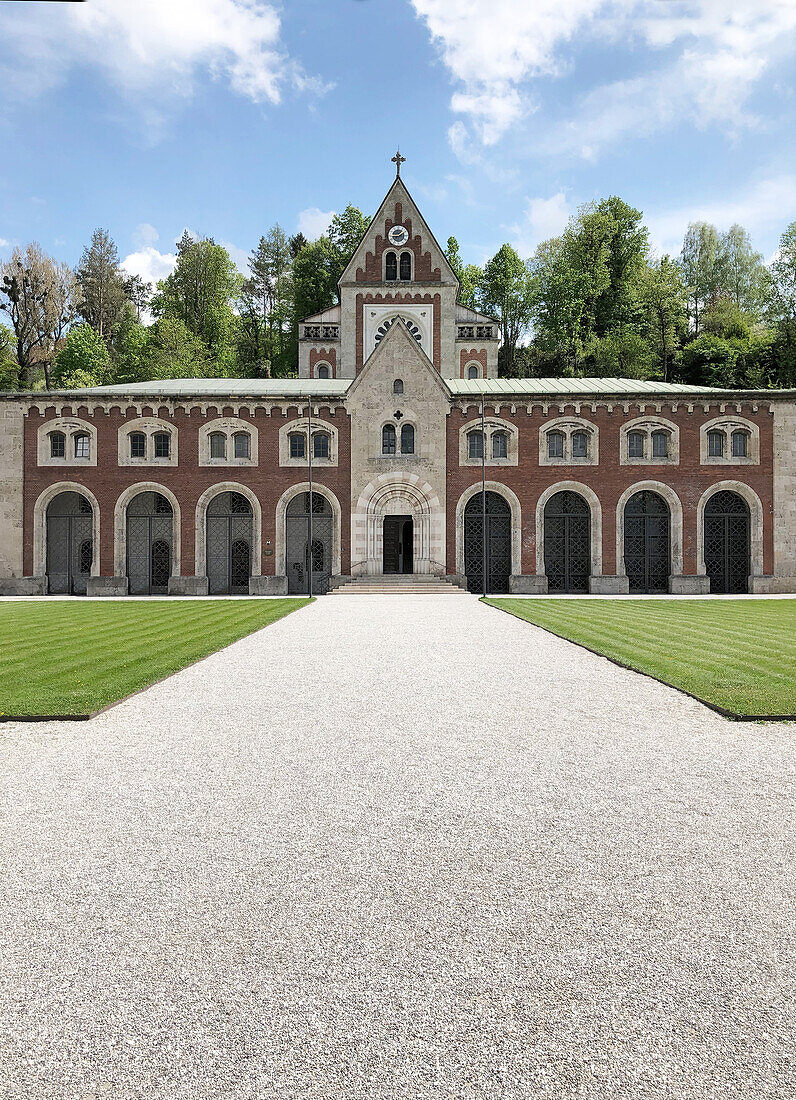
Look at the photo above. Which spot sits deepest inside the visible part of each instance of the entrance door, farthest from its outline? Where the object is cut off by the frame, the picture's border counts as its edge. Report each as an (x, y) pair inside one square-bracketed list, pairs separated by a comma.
[(229, 537), (300, 557), (567, 542), (496, 542), (149, 535), (399, 533), (726, 545), (69, 543), (647, 542)]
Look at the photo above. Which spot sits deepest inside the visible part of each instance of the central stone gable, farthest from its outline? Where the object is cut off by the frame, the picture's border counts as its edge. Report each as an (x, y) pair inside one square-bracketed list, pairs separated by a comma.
[(398, 208)]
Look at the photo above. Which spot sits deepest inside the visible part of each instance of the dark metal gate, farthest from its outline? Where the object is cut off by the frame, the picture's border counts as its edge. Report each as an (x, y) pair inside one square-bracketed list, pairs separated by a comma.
[(647, 542), (498, 543), (70, 545), (567, 543), (727, 529), (230, 527), (150, 523), (297, 543)]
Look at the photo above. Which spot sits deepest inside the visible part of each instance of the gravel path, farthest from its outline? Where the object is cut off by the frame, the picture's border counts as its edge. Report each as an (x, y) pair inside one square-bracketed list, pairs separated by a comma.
[(398, 847)]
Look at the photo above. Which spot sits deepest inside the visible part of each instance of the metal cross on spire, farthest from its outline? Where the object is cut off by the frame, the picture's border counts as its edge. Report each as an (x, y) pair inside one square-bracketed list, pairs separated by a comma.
[(398, 160)]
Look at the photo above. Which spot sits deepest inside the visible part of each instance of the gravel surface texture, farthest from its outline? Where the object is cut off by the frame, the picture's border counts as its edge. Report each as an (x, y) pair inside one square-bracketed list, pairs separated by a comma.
[(398, 847)]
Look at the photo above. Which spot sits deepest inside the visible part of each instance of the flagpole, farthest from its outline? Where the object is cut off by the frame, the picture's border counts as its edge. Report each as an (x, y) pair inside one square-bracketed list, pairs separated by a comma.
[(483, 493), (309, 468)]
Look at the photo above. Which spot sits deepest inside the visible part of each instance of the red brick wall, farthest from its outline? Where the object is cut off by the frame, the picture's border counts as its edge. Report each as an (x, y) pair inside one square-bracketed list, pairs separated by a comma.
[(323, 355), (373, 272), (466, 357), (609, 479), (408, 299), (268, 481)]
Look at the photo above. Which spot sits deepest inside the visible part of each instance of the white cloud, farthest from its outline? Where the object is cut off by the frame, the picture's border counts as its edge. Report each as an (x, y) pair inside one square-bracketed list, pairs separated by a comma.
[(239, 257), (150, 264), (544, 218), (144, 235), (151, 49), (4, 243), (714, 55), (312, 222), (766, 207)]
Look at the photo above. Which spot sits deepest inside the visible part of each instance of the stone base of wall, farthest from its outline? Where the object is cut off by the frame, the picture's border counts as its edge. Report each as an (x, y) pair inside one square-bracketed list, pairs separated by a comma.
[(772, 585), (267, 586), (458, 578), (107, 586), (188, 586), (531, 584), (681, 585), (609, 586), (23, 586)]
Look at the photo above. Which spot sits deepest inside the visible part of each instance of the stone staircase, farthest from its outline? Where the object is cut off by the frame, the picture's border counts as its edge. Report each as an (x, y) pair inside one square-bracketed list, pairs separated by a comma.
[(397, 584)]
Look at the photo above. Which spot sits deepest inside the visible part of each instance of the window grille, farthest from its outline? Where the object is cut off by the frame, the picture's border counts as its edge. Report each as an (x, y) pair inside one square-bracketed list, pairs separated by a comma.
[(297, 445), (137, 445), (388, 440), (162, 445), (323, 371), (57, 444), (472, 372)]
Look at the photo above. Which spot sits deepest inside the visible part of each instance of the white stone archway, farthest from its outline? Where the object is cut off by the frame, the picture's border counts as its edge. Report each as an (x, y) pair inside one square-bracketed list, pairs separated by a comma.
[(596, 532), (200, 536), (755, 524), (675, 524), (281, 515), (40, 525), (394, 495), (120, 526), (513, 502)]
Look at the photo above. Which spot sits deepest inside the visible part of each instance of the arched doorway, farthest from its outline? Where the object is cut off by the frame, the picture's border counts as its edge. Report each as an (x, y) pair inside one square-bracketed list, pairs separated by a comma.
[(70, 544), (299, 555), (397, 544), (150, 527), (229, 542), (497, 544), (567, 542), (726, 542), (646, 549)]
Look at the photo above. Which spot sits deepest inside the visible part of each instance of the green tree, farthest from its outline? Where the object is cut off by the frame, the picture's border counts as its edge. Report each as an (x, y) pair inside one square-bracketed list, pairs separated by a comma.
[(315, 275), (173, 351), (781, 308), (264, 332), (700, 269), (101, 284), (130, 350), (83, 360), (138, 293), (620, 354), (200, 292), (662, 297), (506, 292), (741, 274), (9, 367), (345, 232), (469, 277), (625, 249)]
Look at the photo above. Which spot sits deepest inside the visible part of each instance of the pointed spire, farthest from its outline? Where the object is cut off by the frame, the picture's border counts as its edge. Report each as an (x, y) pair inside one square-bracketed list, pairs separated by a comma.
[(398, 160)]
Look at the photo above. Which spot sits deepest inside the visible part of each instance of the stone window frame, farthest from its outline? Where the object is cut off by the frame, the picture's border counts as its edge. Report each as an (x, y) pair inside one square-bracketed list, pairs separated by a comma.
[(298, 426), (469, 365), (492, 424), (646, 426), (69, 426), (228, 426), (323, 363), (398, 251), (150, 426), (568, 426), (729, 423)]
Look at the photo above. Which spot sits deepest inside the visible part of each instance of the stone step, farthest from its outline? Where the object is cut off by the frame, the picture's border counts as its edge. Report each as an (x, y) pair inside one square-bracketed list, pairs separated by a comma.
[(398, 584)]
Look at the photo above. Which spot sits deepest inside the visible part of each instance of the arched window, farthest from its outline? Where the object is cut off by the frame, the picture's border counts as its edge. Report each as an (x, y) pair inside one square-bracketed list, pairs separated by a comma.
[(715, 444), (323, 371), (407, 440), (388, 439), (391, 267), (500, 445), (660, 444), (472, 371), (740, 444), (320, 445), (137, 445), (243, 444), (82, 445), (57, 444), (297, 445), (218, 445), (406, 266), (162, 444), (580, 445), (555, 444), (635, 444), (398, 386), (475, 445)]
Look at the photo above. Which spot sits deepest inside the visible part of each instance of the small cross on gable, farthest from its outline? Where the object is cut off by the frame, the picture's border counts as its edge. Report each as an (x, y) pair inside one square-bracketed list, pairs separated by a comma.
[(398, 160)]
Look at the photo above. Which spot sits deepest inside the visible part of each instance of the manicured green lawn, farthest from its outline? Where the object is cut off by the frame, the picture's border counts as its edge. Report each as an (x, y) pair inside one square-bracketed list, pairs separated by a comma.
[(735, 654), (73, 658)]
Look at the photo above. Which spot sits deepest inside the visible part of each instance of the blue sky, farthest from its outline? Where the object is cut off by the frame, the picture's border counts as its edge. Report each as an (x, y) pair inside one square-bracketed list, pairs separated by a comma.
[(225, 116)]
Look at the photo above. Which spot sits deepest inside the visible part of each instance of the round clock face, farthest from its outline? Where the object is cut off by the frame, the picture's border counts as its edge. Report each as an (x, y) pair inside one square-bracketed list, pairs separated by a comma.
[(398, 235)]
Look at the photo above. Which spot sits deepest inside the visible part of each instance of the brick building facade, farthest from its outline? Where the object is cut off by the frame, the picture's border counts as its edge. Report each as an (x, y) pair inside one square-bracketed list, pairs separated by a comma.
[(196, 485)]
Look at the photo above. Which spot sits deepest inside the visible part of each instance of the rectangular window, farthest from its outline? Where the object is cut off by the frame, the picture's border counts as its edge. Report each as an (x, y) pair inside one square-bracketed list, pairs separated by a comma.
[(320, 445), (660, 445), (57, 441), (162, 445), (296, 445), (475, 445), (715, 444), (500, 445), (739, 444), (635, 445), (218, 445), (580, 445), (137, 445), (242, 445), (555, 445), (82, 446)]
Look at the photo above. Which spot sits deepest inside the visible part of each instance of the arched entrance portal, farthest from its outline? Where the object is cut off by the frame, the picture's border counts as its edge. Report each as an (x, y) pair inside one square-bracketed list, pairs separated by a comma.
[(300, 556), (647, 542), (567, 542), (497, 545), (229, 542), (397, 525), (70, 545), (399, 535), (726, 542), (150, 523)]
